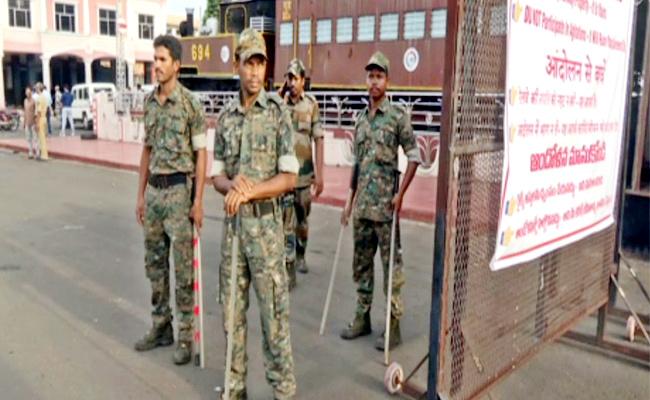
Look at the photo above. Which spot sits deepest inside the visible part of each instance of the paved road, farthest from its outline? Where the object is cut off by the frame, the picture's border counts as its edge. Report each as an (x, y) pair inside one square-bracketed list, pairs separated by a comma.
[(74, 297)]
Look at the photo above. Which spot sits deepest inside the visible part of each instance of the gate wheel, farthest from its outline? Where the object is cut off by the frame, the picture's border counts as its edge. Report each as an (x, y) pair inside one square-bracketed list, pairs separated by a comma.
[(393, 378)]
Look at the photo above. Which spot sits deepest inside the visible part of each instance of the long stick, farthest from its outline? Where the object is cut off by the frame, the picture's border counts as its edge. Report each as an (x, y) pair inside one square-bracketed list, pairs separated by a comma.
[(332, 278), (198, 293), (389, 292), (629, 307), (231, 305)]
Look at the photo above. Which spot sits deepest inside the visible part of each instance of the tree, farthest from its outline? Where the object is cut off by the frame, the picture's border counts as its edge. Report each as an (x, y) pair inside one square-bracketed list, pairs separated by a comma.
[(211, 10)]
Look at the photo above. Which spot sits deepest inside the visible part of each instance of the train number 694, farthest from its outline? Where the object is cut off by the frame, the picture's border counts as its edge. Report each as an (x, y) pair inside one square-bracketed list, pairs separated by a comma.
[(200, 52)]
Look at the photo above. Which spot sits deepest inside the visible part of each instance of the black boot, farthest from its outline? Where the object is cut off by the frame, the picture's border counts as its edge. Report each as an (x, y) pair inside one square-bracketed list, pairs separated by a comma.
[(183, 353), (360, 326), (291, 274), (156, 337), (302, 266), (395, 336)]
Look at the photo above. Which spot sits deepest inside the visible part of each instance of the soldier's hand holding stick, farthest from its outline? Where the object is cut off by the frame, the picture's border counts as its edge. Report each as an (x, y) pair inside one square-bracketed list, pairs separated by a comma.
[(231, 302), (345, 217), (397, 205), (347, 209)]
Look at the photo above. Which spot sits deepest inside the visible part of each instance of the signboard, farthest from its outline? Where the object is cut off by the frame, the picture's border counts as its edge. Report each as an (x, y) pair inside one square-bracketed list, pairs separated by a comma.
[(210, 55), (566, 88)]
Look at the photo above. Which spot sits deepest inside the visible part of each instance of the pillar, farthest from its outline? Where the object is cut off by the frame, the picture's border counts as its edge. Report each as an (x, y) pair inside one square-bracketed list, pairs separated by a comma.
[(86, 18), (88, 66), (130, 66), (47, 80), (2, 81)]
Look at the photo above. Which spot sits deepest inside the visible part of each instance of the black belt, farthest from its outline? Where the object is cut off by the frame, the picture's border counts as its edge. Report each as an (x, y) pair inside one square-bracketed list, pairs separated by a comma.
[(160, 181), (257, 209)]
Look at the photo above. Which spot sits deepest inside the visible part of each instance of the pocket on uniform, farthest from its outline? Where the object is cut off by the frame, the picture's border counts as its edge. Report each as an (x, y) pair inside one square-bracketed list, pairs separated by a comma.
[(280, 293), (231, 151), (386, 147), (304, 123), (231, 143), (264, 156), (178, 138)]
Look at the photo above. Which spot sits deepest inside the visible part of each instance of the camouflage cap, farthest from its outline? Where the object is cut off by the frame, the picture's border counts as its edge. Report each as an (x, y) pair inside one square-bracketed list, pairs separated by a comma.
[(378, 59), (251, 43), (295, 68)]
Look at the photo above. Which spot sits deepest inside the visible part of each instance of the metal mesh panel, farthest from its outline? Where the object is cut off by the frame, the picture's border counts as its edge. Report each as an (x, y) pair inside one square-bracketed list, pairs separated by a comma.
[(494, 321)]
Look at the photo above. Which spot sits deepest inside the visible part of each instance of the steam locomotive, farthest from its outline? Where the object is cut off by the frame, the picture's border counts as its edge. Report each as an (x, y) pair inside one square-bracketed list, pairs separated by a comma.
[(334, 38)]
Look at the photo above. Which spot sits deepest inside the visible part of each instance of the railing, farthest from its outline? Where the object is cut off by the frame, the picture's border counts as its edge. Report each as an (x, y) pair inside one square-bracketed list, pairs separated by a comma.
[(340, 109), (337, 109)]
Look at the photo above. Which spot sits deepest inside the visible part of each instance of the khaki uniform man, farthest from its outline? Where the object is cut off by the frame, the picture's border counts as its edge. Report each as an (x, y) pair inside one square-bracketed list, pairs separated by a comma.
[(29, 116), (297, 205), (173, 154), (379, 131), (254, 164), (41, 118)]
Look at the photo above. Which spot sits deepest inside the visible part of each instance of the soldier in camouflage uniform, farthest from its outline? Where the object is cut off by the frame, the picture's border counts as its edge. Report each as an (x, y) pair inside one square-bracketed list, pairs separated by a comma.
[(254, 164), (379, 130), (172, 156), (297, 205)]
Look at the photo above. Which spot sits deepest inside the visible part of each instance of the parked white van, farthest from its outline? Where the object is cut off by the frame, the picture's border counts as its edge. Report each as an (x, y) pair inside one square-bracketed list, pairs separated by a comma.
[(83, 95)]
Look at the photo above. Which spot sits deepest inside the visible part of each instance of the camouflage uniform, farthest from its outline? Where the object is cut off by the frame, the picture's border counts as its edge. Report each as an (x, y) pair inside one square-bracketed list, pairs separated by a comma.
[(289, 227), (297, 205), (174, 131), (257, 143), (376, 145)]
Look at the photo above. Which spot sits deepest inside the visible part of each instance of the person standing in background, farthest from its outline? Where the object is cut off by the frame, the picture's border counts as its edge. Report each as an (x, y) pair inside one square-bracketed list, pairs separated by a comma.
[(297, 203), (57, 100), (379, 131), (41, 121), (29, 114), (66, 110)]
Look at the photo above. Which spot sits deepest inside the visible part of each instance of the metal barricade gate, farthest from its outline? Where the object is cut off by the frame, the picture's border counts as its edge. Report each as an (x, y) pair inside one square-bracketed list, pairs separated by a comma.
[(485, 324)]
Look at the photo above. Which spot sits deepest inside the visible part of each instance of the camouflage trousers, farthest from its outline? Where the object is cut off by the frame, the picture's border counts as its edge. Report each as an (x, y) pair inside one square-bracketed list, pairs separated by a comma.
[(302, 204), (367, 236), (261, 262), (289, 226), (167, 226), (296, 209)]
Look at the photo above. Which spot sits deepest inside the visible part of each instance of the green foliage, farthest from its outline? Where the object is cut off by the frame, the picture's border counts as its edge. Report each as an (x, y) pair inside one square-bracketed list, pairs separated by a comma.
[(211, 10)]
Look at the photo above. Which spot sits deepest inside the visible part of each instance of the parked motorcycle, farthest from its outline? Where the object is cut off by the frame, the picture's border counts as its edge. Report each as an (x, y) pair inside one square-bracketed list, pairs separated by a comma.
[(9, 120)]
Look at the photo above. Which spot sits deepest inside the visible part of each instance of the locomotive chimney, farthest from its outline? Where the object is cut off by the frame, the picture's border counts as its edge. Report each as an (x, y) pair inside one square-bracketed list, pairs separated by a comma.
[(189, 22)]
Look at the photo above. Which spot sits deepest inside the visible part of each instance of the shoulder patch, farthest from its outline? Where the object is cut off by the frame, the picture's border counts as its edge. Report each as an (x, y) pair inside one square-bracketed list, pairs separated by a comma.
[(192, 98), (149, 96), (232, 104), (311, 97), (363, 112), (275, 98), (222, 114), (399, 108)]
